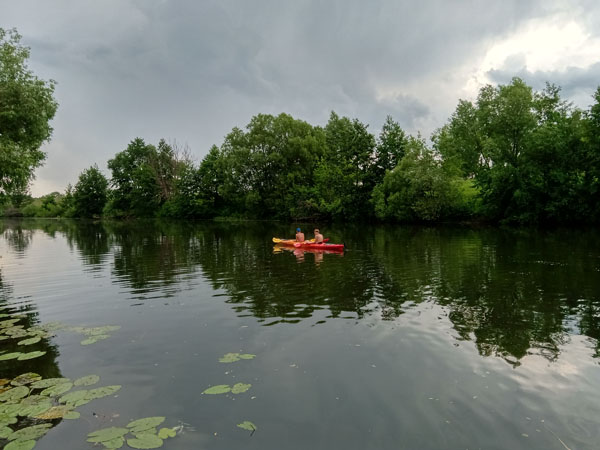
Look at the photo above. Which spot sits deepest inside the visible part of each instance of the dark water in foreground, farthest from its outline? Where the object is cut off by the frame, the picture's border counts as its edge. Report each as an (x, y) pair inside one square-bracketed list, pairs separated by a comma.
[(415, 338)]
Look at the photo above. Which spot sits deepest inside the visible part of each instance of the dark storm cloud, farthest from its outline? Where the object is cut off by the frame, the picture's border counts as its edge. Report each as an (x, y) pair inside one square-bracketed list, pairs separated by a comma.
[(192, 70)]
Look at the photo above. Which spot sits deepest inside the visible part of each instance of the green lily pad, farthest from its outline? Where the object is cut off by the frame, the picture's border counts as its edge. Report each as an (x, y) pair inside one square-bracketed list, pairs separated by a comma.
[(31, 355), (7, 419), (239, 388), (145, 441), (3, 338), (103, 391), (32, 432), (8, 323), (87, 380), (72, 415), (10, 409), (247, 425), (34, 400), (30, 341), (42, 384), (230, 357), (15, 393), (165, 433), (75, 396), (53, 326), (114, 444), (58, 389), (20, 445), (16, 332), (107, 434), (35, 410), (144, 424), (233, 357), (94, 339), (26, 378), (96, 331), (219, 389), (5, 432), (11, 355)]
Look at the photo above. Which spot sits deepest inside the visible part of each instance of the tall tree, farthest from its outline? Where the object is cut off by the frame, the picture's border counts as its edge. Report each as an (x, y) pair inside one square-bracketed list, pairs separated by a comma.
[(90, 193), (27, 106)]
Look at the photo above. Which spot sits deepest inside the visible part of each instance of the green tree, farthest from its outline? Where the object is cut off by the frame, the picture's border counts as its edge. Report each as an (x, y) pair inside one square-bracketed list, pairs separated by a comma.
[(343, 177), (419, 189), (27, 106), (90, 193), (135, 187), (391, 146)]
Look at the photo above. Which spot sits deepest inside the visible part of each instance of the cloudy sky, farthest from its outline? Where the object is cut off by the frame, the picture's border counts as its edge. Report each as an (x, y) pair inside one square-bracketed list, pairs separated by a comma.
[(190, 70)]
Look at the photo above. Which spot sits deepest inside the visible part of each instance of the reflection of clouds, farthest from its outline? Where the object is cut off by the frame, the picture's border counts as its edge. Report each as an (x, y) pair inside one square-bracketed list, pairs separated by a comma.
[(573, 368)]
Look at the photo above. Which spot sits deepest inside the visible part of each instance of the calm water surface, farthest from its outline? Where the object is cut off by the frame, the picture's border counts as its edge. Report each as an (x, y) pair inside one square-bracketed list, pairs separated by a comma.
[(414, 338)]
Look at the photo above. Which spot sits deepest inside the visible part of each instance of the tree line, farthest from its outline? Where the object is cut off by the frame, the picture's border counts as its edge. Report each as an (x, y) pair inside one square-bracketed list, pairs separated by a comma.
[(514, 154)]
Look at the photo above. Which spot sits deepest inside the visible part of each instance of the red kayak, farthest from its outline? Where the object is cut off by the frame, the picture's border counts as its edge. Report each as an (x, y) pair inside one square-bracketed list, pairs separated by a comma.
[(321, 246)]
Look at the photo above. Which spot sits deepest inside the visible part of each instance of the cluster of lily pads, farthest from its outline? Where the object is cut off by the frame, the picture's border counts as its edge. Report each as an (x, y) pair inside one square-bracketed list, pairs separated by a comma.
[(30, 399), (140, 434), (237, 388), (10, 329)]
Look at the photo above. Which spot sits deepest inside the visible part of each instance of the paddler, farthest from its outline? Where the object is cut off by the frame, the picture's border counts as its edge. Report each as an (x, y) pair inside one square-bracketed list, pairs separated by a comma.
[(318, 236), (299, 235)]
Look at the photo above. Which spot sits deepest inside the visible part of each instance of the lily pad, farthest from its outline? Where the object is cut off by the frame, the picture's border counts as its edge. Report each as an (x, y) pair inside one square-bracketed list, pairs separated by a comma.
[(247, 425), (144, 424), (96, 331), (7, 419), (26, 378), (35, 410), (239, 388), (15, 393), (165, 433), (42, 384), (4, 381), (71, 415), (20, 445), (145, 441), (10, 409), (219, 389), (114, 443), (233, 357), (58, 389), (34, 400), (16, 332), (5, 432), (56, 412), (94, 339), (8, 323), (87, 380), (30, 341), (107, 434), (32, 432), (103, 391), (31, 355), (230, 357), (11, 355), (75, 396)]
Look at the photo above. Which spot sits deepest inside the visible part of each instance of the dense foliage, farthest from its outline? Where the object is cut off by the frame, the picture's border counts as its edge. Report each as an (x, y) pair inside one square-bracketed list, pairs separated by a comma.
[(513, 155), (26, 107)]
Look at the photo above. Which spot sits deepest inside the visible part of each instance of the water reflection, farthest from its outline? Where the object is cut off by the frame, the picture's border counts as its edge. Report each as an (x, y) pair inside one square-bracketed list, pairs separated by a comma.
[(512, 293)]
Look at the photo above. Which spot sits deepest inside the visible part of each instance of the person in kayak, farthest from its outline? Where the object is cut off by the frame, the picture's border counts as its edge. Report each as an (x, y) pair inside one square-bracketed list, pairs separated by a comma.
[(299, 235), (318, 237)]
